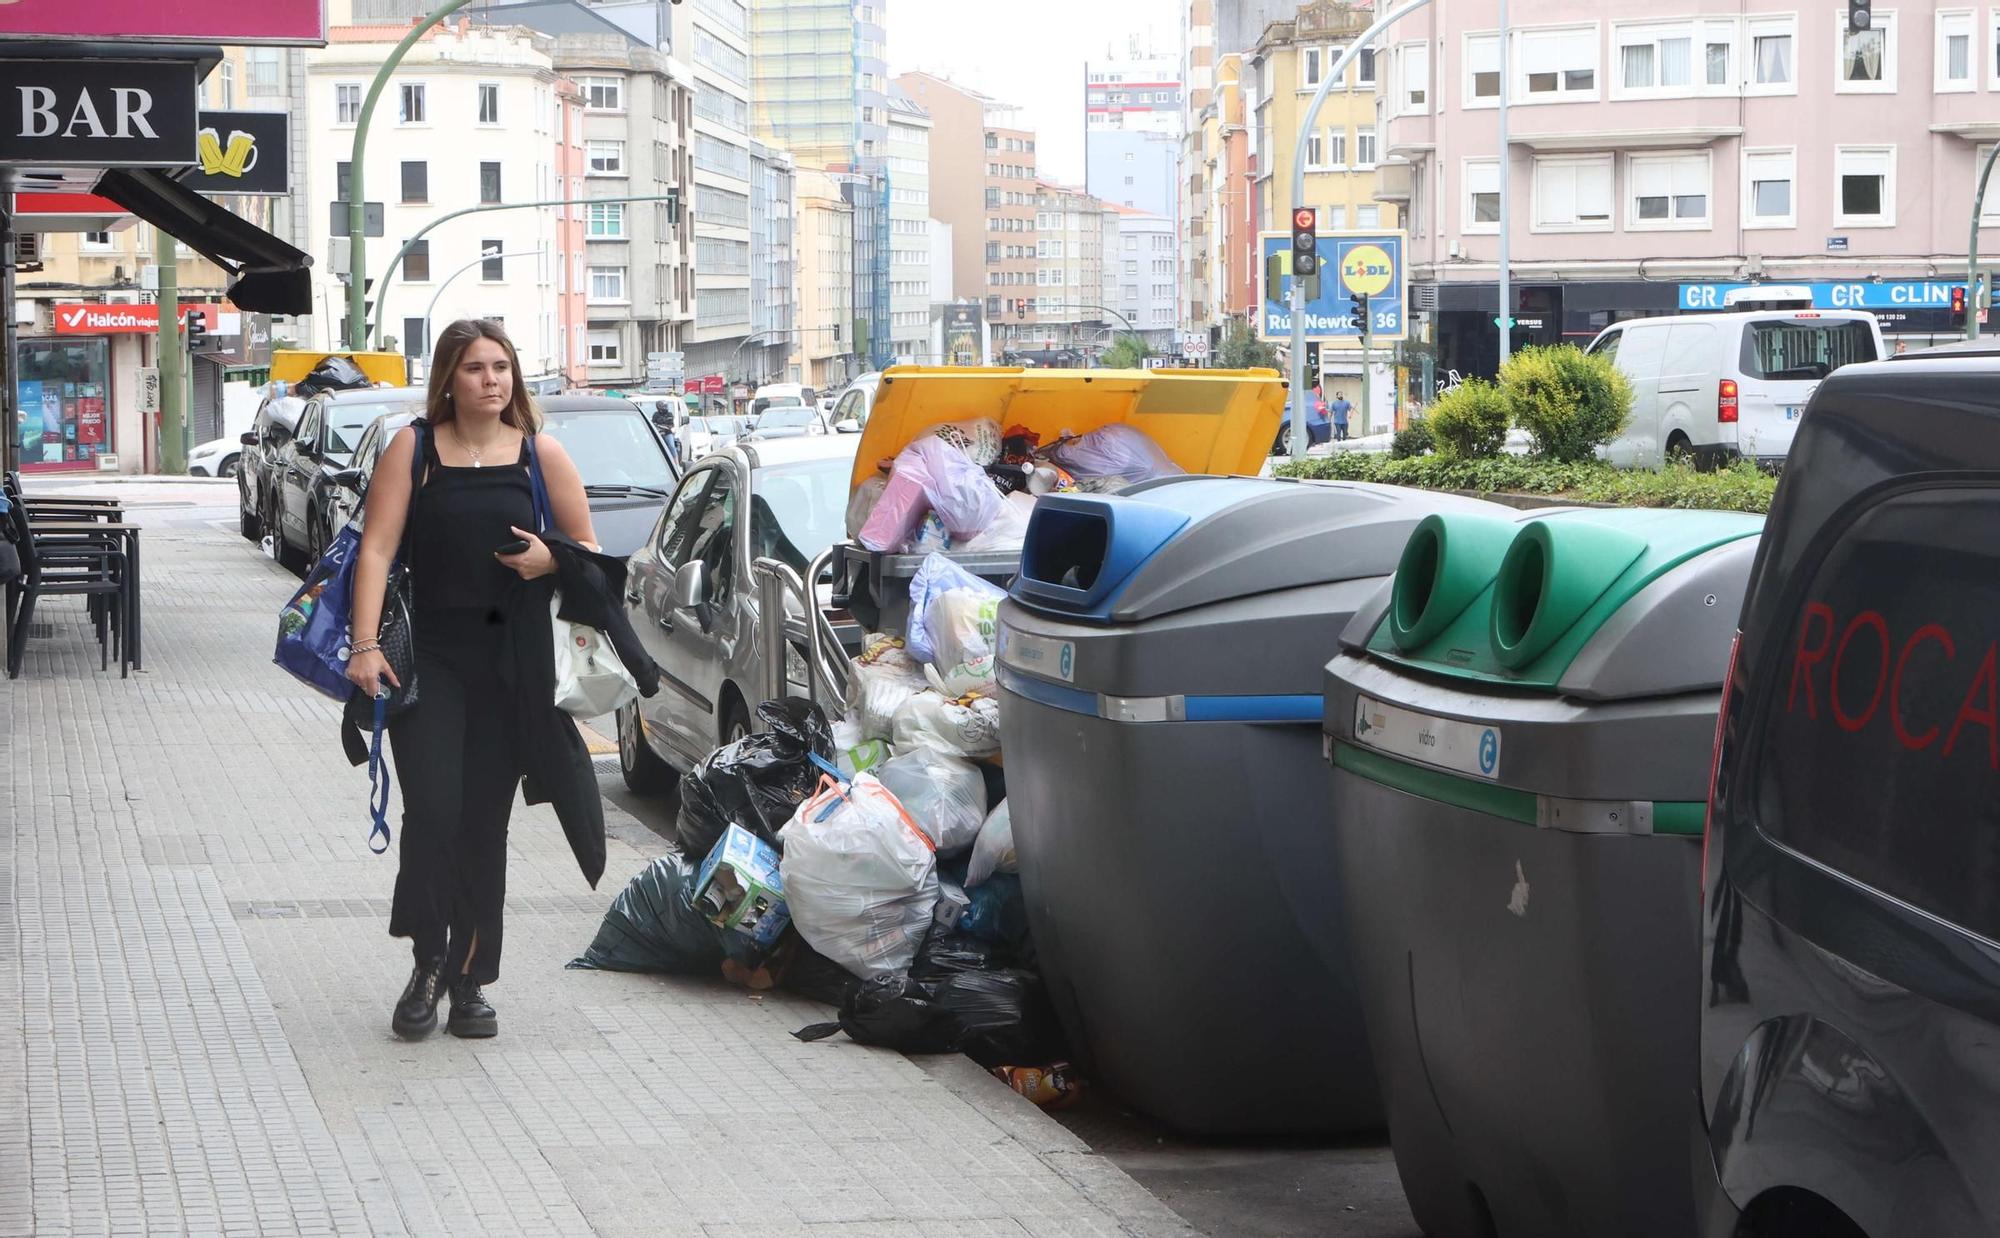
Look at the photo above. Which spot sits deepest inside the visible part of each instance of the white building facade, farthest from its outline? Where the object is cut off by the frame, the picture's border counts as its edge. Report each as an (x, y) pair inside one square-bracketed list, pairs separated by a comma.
[(911, 289), (713, 37)]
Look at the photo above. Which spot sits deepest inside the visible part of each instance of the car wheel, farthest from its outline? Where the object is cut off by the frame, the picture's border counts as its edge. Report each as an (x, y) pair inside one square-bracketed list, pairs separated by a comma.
[(316, 540), (227, 468), (249, 522), (644, 772), (735, 719)]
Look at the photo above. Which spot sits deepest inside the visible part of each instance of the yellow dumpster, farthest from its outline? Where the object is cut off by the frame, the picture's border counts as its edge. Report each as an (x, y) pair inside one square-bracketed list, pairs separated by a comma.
[(289, 365)]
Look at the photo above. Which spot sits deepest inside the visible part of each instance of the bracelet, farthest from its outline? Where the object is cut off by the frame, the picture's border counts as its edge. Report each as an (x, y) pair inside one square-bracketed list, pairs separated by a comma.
[(366, 646)]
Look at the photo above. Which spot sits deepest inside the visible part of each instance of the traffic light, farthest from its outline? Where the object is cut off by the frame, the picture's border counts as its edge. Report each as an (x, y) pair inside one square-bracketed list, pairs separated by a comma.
[(1359, 300), (1305, 242), (1858, 16), (197, 329), (1312, 360), (1958, 299), (1020, 307)]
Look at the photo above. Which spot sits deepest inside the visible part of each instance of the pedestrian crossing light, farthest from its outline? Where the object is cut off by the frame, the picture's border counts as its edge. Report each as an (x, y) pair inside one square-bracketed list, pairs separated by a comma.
[(1359, 300), (1305, 241), (1858, 16), (1958, 299), (197, 329)]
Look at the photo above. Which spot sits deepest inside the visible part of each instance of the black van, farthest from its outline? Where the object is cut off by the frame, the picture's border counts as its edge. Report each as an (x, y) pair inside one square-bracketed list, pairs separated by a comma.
[(1850, 1019)]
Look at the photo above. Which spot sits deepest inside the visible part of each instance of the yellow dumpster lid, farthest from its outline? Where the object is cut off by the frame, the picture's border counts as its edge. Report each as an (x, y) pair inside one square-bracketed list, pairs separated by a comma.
[(1207, 421), (291, 364)]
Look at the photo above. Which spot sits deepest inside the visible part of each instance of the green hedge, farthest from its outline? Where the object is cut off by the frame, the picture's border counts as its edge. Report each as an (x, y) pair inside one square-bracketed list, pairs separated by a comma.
[(1738, 488)]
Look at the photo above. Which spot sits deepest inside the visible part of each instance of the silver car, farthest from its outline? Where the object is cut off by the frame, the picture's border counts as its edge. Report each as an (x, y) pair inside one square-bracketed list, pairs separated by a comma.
[(693, 602)]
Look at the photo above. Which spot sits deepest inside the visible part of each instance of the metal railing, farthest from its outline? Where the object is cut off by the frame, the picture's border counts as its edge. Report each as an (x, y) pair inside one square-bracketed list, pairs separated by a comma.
[(780, 631)]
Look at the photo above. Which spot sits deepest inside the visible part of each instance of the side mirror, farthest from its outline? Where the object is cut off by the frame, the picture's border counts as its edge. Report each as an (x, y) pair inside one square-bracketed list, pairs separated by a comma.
[(248, 438), (849, 426), (347, 479), (691, 585)]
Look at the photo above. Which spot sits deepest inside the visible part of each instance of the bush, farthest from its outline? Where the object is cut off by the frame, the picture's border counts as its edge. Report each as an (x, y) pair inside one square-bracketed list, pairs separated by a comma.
[(1413, 440), (1569, 402), (1470, 421), (1740, 487)]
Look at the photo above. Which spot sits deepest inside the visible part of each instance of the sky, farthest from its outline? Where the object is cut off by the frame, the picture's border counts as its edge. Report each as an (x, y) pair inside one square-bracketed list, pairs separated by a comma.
[(1029, 53)]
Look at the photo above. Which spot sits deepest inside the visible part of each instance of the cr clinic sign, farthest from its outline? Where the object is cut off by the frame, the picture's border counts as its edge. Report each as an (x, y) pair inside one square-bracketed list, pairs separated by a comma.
[(1855, 294), (294, 22)]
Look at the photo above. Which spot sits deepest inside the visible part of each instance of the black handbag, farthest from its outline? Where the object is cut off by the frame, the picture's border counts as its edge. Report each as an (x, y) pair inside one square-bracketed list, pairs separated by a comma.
[(394, 629)]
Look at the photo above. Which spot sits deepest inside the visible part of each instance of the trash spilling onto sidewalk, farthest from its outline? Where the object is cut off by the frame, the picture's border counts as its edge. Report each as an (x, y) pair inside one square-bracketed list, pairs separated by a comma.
[(757, 781), (740, 889)]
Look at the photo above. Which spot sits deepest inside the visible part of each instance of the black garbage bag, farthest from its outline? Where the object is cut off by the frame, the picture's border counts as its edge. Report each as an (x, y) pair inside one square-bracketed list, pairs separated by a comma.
[(999, 912), (652, 926), (758, 781), (946, 953), (812, 975), (331, 374), (997, 1018)]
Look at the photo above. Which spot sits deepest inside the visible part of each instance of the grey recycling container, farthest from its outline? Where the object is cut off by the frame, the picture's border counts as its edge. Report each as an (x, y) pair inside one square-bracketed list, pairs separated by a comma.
[(1520, 730), (1161, 661)]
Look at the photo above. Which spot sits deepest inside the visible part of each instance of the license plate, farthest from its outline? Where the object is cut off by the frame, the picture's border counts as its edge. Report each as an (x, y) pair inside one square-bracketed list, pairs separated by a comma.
[(1039, 655), (1793, 412), (1462, 747)]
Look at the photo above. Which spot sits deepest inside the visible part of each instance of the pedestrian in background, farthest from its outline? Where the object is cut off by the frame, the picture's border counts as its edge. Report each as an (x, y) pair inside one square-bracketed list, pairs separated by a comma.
[(459, 749), (1340, 409)]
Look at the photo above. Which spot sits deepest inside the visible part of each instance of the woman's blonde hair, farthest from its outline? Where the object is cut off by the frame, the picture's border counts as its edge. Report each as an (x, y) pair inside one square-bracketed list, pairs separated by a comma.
[(520, 412)]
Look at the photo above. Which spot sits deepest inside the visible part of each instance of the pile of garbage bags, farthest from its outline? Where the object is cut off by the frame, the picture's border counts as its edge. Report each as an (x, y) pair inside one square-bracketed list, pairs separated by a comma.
[(971, 486)]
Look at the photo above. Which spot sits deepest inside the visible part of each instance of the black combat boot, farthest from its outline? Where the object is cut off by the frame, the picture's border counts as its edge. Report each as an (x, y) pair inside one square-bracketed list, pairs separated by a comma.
[(472, 1016), (417, 1010)]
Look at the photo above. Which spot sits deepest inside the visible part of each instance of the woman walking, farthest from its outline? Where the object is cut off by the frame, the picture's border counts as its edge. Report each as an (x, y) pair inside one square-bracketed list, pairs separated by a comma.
[(464, 746)]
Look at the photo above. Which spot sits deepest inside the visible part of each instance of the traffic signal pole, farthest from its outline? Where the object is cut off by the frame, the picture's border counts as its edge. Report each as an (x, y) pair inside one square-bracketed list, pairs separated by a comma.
[(1337, 73), (1972, 247)]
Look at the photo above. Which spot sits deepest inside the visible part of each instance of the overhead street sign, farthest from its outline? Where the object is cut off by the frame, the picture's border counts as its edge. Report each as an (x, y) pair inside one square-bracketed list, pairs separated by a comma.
[(1368, 264)]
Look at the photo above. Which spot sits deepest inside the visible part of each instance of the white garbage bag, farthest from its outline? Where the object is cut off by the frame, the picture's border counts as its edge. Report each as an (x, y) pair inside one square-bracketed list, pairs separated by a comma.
[(960, 727), (945, 795), (886, 677), (860, 877), (994, 851)]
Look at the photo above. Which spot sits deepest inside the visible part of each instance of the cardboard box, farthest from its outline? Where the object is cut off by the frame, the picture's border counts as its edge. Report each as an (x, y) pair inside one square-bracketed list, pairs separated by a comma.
[(739, 888)]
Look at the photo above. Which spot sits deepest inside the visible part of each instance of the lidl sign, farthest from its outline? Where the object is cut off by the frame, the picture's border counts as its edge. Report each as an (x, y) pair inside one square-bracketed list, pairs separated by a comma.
[(1368, 263)]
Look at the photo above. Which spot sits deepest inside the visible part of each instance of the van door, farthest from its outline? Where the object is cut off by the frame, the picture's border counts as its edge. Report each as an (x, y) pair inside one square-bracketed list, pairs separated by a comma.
[(1782, 361), (1689, 375), (1637, 355)]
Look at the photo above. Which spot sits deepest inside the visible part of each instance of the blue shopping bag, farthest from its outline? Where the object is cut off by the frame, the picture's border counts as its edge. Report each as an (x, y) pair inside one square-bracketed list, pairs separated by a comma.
[(313, 634)]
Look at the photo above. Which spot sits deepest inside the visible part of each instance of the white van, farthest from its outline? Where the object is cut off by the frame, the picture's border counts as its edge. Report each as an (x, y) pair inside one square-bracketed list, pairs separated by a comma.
[(1720, 386)]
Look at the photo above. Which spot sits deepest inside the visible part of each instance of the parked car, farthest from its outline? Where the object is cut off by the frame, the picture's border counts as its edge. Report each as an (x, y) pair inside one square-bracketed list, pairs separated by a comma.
[(1851, 884), (706, 434), (788, 421), (351, 483), (851, 409), (276, 421), (216, 458), (693, 601), (1716, 387), (626, 469), (299, 504)]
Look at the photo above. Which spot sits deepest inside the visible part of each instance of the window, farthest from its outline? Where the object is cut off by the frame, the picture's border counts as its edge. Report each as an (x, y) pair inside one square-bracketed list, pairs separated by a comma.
[(1367, 216), (1880, 760), (1364, 149), (1556, 65), (1867, 186), (1309, 74), (416, 181), (1482, 196), (489, 182), (1573, 195), (607, 284), (1336, 148), (607, 158), (492, 267), (411, 110), (1482, 70), (606, 221), (266, 74), (417, 263), (346, 103), (1668, 191), (1954, 50), (1315, 153), (1413, 77), (1773, 64), (604, 348), (1770, 188), (415, 346), (228, 84), (603, 94), (1867, 58), (489, 103), (1364, 67), (1669, 61), (1333, 218)]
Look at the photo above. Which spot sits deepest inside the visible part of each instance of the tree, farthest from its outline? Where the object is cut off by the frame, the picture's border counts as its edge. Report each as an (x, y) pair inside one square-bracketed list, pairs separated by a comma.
[(1244, 351), (1125, 353)]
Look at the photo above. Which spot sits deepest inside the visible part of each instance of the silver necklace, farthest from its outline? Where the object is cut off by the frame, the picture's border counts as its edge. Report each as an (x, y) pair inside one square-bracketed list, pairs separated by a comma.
[(474, 452)]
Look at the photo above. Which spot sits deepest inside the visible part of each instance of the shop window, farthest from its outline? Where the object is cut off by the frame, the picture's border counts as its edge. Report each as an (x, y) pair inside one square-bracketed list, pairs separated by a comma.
[(63, 390)]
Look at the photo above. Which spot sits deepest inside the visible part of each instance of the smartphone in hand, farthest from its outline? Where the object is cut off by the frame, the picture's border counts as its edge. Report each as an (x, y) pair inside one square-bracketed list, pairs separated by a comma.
[(516, 547)]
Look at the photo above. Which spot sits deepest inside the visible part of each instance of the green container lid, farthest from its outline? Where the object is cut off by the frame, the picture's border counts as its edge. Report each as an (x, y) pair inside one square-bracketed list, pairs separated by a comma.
[(1517, 609)]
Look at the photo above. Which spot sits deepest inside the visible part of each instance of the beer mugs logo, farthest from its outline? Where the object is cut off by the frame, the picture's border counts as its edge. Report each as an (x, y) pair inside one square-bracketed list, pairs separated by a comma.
[(236, 159)]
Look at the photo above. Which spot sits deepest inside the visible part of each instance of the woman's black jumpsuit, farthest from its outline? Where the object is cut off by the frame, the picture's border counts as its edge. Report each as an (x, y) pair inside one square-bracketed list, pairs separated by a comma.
[(457, 749)]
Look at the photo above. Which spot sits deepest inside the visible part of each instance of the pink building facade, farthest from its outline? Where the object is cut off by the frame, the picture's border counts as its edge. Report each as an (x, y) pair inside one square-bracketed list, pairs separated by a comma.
[(1663, 152)]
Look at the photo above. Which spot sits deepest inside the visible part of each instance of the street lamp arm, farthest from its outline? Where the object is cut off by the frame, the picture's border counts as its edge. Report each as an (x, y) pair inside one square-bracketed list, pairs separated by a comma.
[(432, 307), (357, 262), (396, 263)]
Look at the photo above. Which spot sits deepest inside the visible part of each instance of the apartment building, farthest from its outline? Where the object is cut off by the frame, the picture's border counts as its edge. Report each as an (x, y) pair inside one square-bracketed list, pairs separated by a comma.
[(1139, 275), (909, 170), (958, 163), (1663, 154), (713, 38), (1073, 232), (824, 356), (773, 273)]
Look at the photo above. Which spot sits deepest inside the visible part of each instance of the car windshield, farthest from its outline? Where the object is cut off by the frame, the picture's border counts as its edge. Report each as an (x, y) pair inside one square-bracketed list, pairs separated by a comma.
[(786, 417), (612, 447), (798, 510), (1791, 348), (764, 403), (347, 422)]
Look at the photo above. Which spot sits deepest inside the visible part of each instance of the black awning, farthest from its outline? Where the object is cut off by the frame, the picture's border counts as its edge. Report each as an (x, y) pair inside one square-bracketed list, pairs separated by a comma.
[(269, 276)]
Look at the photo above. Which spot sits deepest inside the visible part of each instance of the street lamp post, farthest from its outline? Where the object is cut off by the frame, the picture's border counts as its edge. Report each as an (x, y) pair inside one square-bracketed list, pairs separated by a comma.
[(1972, 247), (357, 269), (396, 263), (485, 256), (1337, 73)]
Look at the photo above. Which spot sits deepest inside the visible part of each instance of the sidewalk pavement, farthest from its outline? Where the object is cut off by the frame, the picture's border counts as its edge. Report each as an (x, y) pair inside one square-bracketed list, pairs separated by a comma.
[(196, 979)]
